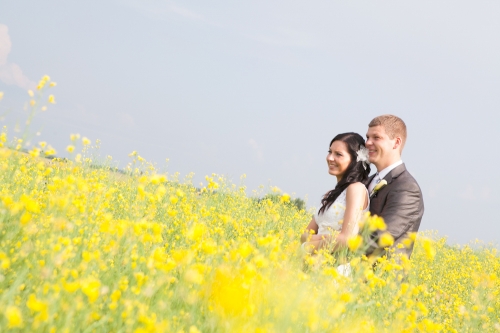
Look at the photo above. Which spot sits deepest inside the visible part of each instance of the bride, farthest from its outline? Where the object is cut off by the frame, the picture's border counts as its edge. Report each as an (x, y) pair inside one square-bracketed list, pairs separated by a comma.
[(342, 207)]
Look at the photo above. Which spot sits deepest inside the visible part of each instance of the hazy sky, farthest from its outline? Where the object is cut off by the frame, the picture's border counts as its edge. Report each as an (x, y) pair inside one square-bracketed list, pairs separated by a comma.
[(262, 87)]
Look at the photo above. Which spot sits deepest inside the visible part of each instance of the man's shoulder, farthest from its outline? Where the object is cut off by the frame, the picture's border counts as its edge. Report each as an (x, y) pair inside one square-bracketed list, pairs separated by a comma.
[(406, 181)]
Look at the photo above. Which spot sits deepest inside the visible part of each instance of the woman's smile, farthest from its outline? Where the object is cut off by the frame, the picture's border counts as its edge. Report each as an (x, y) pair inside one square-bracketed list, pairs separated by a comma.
[(332, 165)]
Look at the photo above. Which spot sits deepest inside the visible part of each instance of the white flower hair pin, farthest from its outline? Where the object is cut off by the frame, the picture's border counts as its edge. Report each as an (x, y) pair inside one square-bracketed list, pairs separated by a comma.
[(362, 156)]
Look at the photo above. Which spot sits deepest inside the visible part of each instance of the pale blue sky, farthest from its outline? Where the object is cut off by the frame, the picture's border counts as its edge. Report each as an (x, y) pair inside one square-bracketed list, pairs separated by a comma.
[(262, 87)]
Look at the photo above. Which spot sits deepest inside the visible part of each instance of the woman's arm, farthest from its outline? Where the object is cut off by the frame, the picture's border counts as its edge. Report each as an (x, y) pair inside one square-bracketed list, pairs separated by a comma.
[(356, 201), (306, 236)]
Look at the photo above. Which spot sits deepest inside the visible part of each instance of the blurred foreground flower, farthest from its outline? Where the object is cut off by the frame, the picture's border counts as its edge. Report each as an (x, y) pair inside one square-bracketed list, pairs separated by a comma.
[(14, 316), (386, 240), (354, 242)]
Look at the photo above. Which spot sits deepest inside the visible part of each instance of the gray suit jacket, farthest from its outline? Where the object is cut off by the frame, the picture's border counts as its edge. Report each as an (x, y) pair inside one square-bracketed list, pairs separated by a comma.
[(400, 204)]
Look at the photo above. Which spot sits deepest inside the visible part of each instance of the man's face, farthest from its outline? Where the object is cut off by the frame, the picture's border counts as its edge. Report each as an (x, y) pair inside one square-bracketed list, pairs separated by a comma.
[(382, 150)]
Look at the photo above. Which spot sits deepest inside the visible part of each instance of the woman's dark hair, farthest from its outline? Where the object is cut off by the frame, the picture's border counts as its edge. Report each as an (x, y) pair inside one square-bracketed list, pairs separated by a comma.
[(355, 172)]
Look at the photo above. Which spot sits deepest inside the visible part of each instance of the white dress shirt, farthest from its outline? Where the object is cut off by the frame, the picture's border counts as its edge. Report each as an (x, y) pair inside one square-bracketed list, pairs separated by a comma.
[(381, 175)]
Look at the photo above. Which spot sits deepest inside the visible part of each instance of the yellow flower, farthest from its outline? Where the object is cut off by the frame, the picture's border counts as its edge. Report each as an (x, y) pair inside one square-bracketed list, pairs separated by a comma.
[(229, 293), (32, 102), (91, 289), (42, 144), (30, 92), (386, 240), (1, 95), (35, 152), (194, 329), (35, 305), (245, 250), (196, 232), (70, 148), (285, 198), (115, 295), (85, 141), (376, 223), (42, 82), (346, 297), (53, 84), (5, 264), (14, 316), (408, 241), (430, 252), (25, 218), (52, 99), (354, 242), (50, 151)]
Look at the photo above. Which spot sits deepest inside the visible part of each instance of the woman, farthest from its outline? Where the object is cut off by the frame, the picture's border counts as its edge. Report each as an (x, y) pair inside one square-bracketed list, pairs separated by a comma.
[(342, 207)]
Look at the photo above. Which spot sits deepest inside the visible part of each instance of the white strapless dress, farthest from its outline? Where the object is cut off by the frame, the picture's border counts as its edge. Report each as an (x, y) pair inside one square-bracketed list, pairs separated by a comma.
[(331, 219)]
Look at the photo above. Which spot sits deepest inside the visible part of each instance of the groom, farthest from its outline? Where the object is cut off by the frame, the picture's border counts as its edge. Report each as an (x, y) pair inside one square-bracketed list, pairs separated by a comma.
[(397, 199)]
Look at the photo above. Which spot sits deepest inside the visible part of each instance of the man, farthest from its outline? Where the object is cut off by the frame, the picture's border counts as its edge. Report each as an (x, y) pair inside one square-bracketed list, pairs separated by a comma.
[(397, 198)]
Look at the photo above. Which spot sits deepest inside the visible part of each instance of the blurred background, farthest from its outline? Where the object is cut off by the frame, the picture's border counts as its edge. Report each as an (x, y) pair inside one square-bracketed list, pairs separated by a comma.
[(261, 88)]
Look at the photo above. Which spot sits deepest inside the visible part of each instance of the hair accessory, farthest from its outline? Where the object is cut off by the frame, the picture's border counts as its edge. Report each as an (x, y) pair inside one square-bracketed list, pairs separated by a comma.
[(362, 156)]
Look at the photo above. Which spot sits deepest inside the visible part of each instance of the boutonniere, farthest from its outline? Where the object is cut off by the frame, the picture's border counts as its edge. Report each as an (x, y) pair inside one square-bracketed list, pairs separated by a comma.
[(377, 187)]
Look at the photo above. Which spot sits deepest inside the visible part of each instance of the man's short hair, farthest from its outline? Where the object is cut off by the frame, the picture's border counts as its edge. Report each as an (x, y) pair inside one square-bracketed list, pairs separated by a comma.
[(394, 126)]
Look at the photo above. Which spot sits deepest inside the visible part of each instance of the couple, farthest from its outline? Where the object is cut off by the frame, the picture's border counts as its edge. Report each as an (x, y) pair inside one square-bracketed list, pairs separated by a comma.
[(397, 198)]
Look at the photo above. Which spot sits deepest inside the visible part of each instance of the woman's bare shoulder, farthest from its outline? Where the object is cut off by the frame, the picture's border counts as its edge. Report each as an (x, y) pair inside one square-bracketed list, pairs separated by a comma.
[(356, 187)]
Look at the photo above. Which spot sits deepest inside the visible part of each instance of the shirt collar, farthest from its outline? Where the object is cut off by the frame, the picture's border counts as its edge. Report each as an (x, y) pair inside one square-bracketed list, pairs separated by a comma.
[(386, 171)]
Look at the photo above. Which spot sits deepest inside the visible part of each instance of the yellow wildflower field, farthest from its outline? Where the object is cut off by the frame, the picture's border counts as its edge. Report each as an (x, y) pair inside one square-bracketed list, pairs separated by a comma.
[(91, 249), (85, 249)]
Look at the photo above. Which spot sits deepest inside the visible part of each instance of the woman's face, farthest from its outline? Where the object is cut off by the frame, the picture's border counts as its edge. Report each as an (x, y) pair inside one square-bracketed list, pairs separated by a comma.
[(338, 159)]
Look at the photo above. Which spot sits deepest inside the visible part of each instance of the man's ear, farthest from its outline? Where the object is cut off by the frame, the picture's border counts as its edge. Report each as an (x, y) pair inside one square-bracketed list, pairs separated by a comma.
[(398, 143)]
